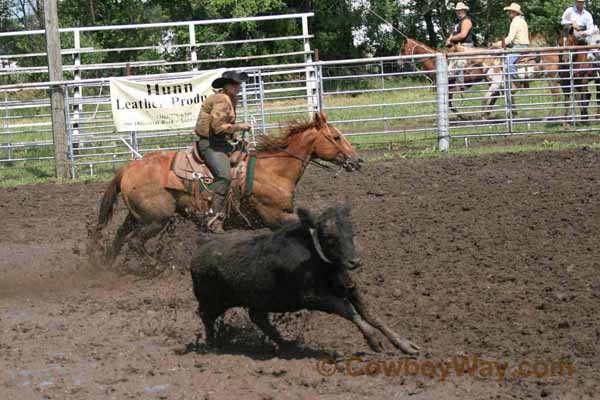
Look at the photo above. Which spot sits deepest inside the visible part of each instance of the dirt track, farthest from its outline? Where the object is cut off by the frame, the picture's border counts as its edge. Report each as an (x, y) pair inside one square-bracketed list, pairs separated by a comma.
[(494, 256)]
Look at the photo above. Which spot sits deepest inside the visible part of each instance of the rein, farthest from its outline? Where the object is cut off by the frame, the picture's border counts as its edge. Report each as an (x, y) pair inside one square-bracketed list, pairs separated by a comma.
[(414, 62), (305, 162)]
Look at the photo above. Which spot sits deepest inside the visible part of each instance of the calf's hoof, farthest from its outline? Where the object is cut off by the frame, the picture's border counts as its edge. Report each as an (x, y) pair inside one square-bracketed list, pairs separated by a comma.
[(286, 345), (374, 344), (406, 346)]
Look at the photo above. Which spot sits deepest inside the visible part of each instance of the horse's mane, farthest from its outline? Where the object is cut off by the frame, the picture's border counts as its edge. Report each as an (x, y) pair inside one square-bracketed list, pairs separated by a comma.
[(416, 43), (288, 131)]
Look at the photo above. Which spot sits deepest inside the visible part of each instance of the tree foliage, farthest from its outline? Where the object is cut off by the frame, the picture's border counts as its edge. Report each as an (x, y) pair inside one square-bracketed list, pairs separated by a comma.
[(342, 28)]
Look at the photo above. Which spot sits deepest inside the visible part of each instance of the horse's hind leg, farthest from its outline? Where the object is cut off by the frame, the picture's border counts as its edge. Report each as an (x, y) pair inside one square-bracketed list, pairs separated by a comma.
[(555, 95), (490, 98), (142, 235), (452, 104), (584, 100), (128, 226), (153, 207)]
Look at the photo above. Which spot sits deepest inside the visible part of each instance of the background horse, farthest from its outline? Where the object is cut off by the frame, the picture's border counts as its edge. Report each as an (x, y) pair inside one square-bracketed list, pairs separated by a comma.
[(584, 71), (411, 48), (463, 74), (529, 66), (280, 164)]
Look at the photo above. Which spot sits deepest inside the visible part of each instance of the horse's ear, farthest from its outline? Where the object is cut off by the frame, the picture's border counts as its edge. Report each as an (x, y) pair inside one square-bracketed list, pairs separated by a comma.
[(320, 119)]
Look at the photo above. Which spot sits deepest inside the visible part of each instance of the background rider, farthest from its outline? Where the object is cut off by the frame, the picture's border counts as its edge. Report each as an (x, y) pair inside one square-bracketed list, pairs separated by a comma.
[(462, 32), (518, 35), (581, 20)]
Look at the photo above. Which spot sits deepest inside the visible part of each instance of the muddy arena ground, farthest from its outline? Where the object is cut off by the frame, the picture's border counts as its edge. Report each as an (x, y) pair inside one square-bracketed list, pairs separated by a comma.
[(494, 257)]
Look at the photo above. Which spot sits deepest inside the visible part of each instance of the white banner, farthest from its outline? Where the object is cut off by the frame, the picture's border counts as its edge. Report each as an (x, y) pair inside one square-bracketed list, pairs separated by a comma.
[(159, 105)]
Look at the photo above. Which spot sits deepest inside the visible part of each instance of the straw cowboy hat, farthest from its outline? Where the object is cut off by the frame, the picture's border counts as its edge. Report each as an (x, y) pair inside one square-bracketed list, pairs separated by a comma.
[(461, 6), (229, 77), (514, 7)]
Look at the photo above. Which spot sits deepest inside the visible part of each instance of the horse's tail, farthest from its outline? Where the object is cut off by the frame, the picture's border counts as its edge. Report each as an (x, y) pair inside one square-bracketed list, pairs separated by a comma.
[(109, 199)]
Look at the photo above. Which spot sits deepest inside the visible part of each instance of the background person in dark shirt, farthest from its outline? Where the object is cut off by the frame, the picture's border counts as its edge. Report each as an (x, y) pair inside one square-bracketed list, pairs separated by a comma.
[(463, 28)]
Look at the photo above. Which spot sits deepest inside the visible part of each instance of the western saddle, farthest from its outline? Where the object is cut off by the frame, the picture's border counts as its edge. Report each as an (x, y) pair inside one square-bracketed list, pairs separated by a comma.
[(188, 172)]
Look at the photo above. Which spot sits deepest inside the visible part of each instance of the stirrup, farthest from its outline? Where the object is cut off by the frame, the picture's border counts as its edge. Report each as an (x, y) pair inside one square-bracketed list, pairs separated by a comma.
[(216, 217)]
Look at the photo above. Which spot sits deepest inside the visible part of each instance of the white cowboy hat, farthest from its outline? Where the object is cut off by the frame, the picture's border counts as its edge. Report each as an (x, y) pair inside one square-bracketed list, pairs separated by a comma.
[(461, 6), (514, 7)]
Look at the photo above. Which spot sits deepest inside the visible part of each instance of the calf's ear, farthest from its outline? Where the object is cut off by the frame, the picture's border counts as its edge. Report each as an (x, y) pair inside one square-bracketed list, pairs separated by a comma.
[(305, 217)]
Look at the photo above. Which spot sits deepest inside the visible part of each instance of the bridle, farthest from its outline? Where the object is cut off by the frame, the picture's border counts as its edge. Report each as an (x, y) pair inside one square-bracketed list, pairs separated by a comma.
[(306, 161), (414, 62)]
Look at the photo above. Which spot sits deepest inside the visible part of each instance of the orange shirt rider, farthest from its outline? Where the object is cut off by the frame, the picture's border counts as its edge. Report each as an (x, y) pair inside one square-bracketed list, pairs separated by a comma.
[(216, 121), (215, 126)]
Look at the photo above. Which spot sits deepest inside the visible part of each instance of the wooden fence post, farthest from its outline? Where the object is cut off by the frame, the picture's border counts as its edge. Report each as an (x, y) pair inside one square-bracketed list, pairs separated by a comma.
[(57, 94)]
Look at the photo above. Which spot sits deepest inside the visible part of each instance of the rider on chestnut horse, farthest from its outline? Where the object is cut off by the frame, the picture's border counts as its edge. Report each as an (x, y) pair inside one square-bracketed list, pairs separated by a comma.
[(462, 32), (518, 36), (216, 126), (580, 21)]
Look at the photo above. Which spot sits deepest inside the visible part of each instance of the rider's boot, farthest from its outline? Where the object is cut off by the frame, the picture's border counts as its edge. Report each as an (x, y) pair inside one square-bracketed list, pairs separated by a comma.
[(215, 222)]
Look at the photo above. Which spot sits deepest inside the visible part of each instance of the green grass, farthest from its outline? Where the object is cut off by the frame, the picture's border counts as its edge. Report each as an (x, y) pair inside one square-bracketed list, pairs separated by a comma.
[(24, 175)]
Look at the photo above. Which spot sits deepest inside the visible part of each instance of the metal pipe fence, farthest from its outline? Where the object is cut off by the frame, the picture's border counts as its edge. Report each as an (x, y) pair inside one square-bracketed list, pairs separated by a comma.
[(377, 100), (550, 91), (170, 47)]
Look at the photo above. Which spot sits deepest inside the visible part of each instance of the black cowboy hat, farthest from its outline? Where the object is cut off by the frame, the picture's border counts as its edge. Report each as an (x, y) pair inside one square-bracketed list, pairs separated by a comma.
[(230, 77)]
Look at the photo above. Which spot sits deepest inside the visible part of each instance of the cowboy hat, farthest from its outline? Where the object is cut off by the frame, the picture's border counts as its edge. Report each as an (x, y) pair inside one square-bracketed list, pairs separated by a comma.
[(461, 6), (515, 8), (229, 77)]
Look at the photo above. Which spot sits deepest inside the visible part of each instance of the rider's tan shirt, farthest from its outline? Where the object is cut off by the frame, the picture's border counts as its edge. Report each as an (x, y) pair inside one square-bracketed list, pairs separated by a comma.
[(217, 116), (519, 31)]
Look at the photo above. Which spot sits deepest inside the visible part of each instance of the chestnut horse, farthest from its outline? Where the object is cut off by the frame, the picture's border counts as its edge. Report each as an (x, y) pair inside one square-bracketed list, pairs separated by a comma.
[(530, 66), (470, 76), (412, 47), (584, 72), (280, 163)]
